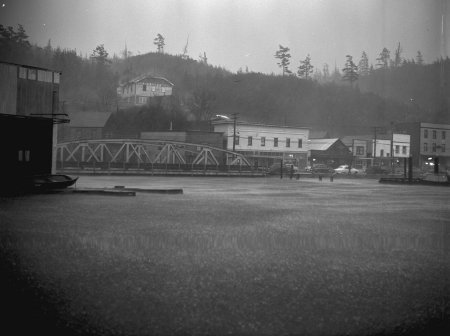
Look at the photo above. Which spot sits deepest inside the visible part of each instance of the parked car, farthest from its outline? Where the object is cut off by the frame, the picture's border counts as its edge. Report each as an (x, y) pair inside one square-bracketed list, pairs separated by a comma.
[(376, 170), (321, 169), (344, 169)]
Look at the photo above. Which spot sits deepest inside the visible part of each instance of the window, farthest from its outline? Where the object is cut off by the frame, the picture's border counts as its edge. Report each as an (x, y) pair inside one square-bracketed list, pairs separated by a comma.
[(263, 141), (404, 150), (250, 140), (32, 74), (443, 135), (425, 134), (397, 149), (359, 150), (434, 134), (23, 72), (443, 148), (236, 140), (433, 148), (300, 143), (144, 87), (44, 76), (275, 142), (382, 152), (425, 147), (56, 77), (288, 142), (153, 88)]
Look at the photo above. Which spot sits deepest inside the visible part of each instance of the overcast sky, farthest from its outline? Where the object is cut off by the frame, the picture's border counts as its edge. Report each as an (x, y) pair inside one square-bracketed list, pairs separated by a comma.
[(240, 33)]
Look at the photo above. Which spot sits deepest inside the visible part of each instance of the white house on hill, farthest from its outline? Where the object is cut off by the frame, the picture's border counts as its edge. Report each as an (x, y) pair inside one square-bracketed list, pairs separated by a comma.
[(138, 90)]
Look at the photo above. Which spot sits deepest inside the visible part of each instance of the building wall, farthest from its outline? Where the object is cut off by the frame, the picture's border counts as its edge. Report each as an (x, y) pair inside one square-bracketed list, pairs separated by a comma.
[(26, 147), (401, 145), (8, 88), (437, 140), (263, 138), (257, 142), (37, 91), (140, 92), (68, 133)]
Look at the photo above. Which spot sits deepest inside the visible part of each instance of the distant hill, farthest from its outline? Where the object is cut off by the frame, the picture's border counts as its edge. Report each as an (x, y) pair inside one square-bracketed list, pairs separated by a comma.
[(408, 92)]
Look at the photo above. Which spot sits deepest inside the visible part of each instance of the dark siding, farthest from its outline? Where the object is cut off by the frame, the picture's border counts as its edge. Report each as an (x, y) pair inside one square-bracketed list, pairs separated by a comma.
[(35, 97), (8, 88), (24, 134)]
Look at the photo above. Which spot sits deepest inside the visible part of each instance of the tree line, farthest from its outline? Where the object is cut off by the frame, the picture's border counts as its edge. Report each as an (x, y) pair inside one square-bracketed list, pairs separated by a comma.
[(392, 91), (351, 71)]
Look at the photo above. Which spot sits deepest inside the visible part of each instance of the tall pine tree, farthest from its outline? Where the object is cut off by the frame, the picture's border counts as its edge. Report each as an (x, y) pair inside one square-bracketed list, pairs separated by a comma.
[(283, 55), (306, 68), (363, 65), (350, 71), (384, 58)]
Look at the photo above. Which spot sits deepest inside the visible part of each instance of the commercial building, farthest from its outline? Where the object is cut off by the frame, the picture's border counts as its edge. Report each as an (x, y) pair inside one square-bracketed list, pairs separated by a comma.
[(263, 144), (430, 143), (382, 151)]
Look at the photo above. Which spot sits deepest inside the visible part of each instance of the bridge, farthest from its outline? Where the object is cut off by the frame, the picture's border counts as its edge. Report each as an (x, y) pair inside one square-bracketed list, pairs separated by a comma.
[(147, 155)]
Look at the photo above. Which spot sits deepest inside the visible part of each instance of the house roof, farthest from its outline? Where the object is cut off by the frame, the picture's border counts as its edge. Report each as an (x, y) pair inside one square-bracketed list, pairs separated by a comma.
[(150, 78), (88, 118), (321, 144)]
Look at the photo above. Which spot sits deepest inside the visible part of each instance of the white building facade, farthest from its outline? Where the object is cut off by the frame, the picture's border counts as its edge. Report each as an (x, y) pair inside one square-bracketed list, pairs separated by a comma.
[(139, 90), (266, 144)]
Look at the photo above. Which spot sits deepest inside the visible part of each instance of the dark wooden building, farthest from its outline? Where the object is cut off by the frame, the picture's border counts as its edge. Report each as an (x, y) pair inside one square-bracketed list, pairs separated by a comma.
[(29, 99), (332, 152)]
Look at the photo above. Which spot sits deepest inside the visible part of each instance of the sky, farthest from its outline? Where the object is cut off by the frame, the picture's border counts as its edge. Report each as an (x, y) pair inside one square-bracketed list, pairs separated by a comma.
[(240, 33)]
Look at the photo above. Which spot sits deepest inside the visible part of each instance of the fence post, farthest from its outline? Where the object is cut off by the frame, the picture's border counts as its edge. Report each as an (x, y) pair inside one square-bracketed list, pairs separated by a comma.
[(281, 168)]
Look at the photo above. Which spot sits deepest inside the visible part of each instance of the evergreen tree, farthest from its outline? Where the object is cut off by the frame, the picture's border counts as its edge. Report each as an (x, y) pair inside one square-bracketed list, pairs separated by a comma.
[(363, 65), (283, 55), (306, 68), (326, 72), (350, 71), (383, 60), (100, 55), (14, 45), (398, 56), (159, 42), (419, 58)]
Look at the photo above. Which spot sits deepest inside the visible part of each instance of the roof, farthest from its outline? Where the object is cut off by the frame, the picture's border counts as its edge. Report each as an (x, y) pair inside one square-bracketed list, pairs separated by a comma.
[(321, 144), (30, 66), (348, 140), (219, 122), (147, 76), (88, 118)]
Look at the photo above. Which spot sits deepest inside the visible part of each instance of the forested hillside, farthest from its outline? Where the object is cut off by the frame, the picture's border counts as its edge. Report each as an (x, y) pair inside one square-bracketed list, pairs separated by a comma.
[(409, 91)]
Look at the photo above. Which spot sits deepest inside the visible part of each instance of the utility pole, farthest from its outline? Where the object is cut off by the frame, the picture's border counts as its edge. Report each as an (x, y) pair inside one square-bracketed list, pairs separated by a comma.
[(234, 129), (392, 147), (375, 129)]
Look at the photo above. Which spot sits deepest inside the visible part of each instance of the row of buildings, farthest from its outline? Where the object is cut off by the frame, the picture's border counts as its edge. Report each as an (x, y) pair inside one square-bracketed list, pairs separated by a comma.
[(424, 142), (31, 125)]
